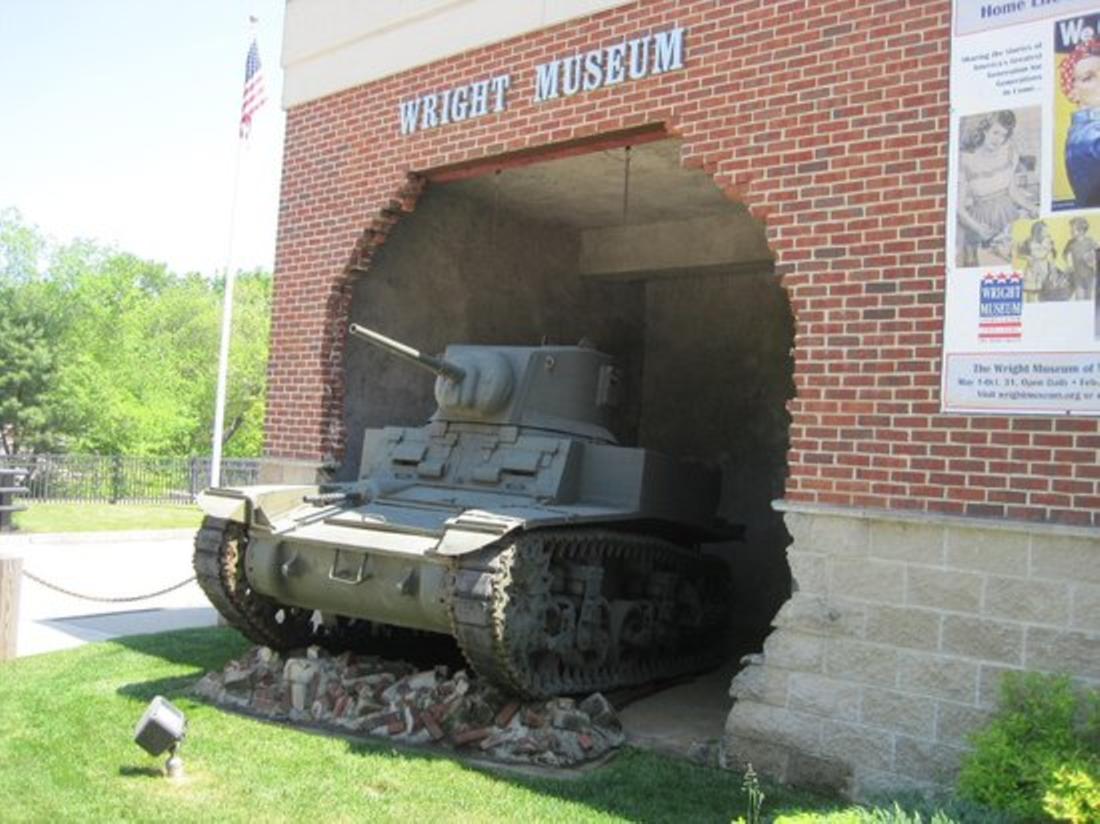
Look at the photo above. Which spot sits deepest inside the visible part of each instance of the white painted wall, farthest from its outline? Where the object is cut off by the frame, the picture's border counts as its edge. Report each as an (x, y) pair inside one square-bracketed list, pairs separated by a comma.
[(331, 45)]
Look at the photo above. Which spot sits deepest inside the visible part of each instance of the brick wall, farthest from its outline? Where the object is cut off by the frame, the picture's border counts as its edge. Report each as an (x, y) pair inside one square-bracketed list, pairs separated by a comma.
[(830, 120)]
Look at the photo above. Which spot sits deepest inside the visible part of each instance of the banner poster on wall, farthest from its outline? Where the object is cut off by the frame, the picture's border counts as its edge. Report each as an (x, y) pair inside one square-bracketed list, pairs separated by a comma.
[(1022, 314)]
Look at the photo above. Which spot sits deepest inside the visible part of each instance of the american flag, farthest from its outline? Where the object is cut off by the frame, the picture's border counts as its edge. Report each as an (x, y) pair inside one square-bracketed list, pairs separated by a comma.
[(254, 96)]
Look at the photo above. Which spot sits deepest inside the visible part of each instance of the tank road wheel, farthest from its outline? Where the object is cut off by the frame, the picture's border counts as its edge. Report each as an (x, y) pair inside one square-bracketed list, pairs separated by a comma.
[(555, 612)]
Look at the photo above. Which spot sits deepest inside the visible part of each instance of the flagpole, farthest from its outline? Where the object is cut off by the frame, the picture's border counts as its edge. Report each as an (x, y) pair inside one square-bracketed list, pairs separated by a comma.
[(227, 328), (227, 306)]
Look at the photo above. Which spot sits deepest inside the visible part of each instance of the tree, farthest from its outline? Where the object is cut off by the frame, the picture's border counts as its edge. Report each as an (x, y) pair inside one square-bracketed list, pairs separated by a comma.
[(104, 352), (21, 249), (27, 353), (247, 381), (141, 379), (25, 379)]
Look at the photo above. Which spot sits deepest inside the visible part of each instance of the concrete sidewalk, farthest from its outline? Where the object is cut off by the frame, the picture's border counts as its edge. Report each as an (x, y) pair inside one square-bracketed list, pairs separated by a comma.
[(104, 565)]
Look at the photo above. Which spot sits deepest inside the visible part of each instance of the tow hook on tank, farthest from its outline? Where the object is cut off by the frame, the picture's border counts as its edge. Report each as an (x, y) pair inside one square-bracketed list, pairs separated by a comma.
[(287, 568), (410, 584)]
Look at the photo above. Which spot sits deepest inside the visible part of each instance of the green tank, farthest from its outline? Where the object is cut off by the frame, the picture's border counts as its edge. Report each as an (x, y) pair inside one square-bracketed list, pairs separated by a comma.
[(512, 521)]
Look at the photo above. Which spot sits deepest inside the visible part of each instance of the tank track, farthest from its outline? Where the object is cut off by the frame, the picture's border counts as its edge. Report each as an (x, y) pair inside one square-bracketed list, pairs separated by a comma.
[(219, 569), (556, 612)]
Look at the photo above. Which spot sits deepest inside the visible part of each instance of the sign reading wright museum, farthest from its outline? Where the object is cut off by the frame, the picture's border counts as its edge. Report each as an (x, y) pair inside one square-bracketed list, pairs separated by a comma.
[(621, 62)]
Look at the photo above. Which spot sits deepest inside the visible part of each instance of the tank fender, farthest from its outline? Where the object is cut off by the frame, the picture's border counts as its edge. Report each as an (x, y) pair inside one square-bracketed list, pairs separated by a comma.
[(474, 529), (259, 505)]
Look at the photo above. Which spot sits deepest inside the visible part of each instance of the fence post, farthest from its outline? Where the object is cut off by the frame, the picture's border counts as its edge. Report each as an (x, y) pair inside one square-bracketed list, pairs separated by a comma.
[(11, 572), (10, 480), (116, 479)]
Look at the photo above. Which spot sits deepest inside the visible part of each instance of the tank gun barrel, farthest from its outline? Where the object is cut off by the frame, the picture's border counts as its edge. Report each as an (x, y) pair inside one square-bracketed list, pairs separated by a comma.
[(439, 366)]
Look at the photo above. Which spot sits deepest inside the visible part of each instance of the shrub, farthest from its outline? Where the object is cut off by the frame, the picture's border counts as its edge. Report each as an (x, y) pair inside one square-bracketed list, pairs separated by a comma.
[(1074, 795), (1040, 753)]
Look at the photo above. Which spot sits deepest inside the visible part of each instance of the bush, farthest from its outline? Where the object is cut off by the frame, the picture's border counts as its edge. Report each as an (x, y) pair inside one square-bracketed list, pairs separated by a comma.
[(1040, 755), (1074, 794)]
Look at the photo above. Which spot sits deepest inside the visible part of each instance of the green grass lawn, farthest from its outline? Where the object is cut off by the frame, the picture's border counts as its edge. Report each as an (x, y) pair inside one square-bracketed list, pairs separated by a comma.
[(66, 750), (89, 517)]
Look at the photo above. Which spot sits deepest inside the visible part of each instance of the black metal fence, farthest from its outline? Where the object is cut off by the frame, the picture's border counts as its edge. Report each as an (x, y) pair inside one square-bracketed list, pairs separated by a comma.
[(122, 479)]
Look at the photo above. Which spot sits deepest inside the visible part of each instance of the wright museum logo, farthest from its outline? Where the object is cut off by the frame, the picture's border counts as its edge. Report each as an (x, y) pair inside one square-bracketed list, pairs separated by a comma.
[(1000, 307)]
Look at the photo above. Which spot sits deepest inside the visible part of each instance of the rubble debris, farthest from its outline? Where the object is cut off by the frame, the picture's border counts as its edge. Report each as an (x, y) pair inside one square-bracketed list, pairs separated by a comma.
[(391, 699)]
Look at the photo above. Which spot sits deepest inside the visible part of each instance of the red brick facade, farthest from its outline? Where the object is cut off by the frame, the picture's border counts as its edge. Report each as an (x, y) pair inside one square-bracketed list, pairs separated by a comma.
[(830, 121)]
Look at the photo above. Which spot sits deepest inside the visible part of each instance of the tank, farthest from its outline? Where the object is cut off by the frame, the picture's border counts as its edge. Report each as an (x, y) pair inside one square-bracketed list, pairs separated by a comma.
[(560, 561)]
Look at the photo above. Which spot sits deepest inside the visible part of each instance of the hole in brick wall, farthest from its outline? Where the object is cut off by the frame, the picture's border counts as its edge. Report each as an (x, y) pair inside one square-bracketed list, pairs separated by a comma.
[(680, 289)]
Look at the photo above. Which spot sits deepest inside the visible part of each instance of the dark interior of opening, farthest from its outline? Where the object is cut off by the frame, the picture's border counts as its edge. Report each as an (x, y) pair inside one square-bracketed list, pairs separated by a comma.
[(655, 266)]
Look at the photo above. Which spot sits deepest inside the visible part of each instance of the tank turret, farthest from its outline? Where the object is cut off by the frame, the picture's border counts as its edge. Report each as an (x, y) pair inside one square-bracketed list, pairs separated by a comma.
[(566, 389), (512, 521)]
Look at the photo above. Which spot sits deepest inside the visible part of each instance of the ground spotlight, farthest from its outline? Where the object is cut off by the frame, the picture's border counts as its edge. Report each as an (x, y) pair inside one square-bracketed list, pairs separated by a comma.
[(162, 729)]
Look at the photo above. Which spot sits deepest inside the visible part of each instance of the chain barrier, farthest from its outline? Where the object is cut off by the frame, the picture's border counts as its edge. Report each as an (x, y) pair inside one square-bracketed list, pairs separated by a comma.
[(100, 600)]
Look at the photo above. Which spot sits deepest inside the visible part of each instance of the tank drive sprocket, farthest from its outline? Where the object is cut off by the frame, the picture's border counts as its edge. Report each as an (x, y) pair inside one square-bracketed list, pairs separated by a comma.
[(220, 547), (560, 611)]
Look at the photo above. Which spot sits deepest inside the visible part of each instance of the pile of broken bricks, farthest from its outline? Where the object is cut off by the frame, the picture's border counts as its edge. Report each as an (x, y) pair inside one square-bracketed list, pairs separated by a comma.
[(370, 696)]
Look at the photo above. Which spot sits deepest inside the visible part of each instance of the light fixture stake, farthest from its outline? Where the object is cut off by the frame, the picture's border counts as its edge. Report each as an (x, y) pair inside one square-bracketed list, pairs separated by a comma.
[(173, 767)]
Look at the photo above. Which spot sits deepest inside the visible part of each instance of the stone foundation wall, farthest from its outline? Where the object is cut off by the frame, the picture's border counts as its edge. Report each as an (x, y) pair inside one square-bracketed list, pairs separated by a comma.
[(890, 651), (289, 471)]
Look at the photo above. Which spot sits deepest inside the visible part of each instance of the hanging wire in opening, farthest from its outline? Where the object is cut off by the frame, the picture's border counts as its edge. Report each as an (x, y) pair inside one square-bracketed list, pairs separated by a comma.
[(496, 203), (626, 184)]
